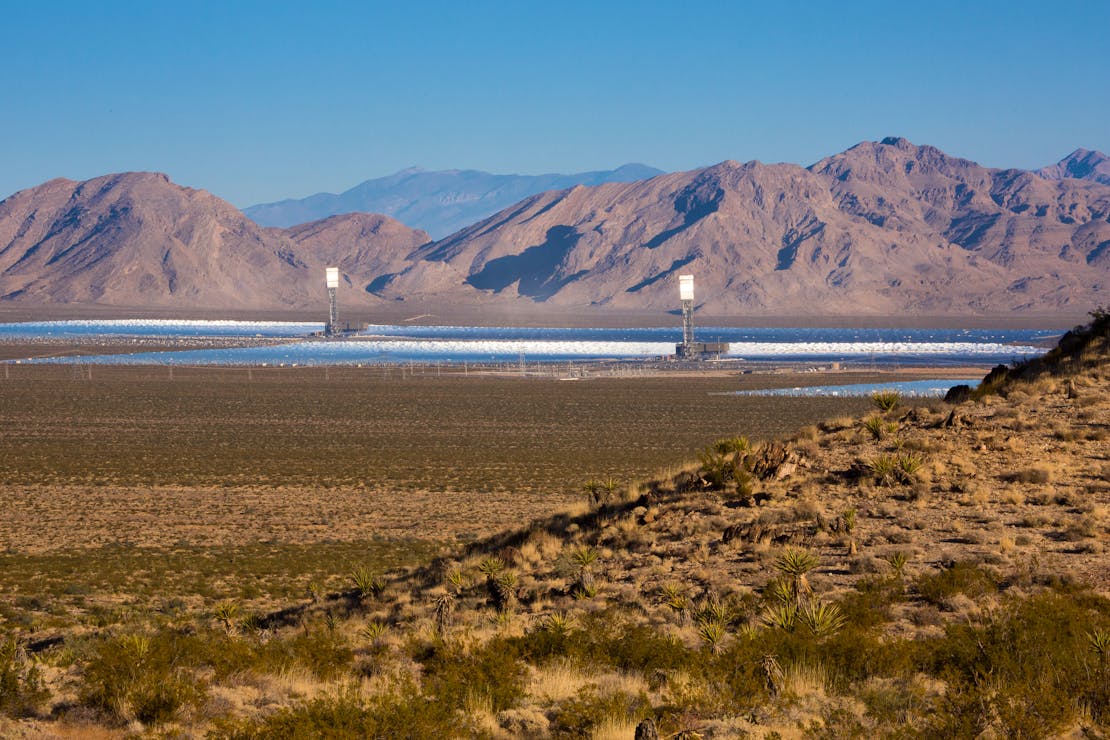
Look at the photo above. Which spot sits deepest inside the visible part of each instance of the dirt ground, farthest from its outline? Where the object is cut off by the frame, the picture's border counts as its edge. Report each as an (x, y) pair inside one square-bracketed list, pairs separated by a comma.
[(147, 456)]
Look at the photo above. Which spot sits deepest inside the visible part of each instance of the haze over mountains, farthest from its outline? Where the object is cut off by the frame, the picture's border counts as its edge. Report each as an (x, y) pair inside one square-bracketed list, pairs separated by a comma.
[(883, 228), (441, 202)]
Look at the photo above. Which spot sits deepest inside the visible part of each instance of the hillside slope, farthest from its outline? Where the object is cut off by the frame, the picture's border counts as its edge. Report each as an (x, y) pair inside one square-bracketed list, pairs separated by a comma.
[(932, 570)]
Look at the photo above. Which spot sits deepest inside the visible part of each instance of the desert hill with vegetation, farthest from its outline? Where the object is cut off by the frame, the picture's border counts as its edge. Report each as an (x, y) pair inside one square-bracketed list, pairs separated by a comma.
[(927, 570)]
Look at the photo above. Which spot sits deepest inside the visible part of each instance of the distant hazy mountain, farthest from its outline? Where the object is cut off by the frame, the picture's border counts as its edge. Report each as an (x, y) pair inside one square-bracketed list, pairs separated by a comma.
[(136, 239), (441, 202), (1082, 164)]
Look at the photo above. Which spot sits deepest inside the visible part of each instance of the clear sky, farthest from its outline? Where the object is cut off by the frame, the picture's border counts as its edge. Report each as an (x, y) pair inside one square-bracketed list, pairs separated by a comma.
[(257, 101)]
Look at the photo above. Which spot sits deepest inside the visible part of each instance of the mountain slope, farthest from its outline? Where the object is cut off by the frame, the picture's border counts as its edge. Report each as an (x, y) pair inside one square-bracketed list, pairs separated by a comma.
[(136, 239), (1082, 164), (882, 227), (438, 202)]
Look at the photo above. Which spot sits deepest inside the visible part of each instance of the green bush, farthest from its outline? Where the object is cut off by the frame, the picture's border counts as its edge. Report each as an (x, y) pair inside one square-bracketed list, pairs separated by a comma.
[(405, 713), (1027, 667), (450, 674), (21, 689), (962, 578), (143, 677), (577, 717)]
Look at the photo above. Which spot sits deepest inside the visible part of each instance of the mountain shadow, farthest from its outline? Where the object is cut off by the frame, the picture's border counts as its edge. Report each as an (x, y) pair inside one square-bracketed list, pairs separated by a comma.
[(535, 267)]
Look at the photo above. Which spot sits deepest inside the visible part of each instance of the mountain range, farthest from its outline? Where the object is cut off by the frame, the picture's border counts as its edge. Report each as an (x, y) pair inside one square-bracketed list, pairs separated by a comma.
[(883, 228), (440, 202)]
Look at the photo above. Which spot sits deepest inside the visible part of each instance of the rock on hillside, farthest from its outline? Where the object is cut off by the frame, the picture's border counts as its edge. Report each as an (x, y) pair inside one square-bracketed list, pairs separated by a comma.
[(882, 227), (137, 239), (439, 202)]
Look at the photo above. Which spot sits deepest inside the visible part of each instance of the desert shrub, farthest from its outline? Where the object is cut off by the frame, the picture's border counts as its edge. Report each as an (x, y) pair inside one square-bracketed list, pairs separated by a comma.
[(724, 462), (579, 716), (606, 639), (962, 578), (1036, 474), (326, 653), (450, 674), (1028, 666), (144, 677), (345, 714), (21, 689), (869, 604)]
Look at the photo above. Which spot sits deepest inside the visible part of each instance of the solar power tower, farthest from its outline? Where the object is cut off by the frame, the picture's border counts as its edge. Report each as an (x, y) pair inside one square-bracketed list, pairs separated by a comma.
[(688, 349), (686, 295), (332, 276)]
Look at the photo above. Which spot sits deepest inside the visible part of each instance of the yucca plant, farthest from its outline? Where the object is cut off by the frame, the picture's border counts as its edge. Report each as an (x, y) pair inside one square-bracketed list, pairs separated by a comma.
[(1099, 640), (584, 557), (366, 583), (137, 646), (875, 425), (713, 611), (584, 590), (897, 562), (557, 623), (610, 485), (732, 446), (779, 591), (884, 468), (781, 616), (713, 634), (456, 579), (908, 465), (444, 611), (374, 632), (849, 518), (795, 563), (251, 623), (491, 566), (822, 618), (674, 596), (503, 590), (886, 400), (748, 631), (592, 487), (226, 613)]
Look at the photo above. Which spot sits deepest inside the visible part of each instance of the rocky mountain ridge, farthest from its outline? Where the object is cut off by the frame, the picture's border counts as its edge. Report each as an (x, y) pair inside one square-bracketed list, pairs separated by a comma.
[(884, 228), (137, 239)]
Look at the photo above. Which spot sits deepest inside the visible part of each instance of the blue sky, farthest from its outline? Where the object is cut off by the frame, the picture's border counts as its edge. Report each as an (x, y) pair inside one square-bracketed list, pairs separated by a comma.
[(257, 101)]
